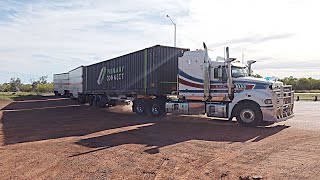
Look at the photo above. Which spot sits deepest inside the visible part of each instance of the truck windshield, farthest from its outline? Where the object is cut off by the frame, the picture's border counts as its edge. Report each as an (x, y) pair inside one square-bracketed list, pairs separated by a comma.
[(239, 71), (235, 71)]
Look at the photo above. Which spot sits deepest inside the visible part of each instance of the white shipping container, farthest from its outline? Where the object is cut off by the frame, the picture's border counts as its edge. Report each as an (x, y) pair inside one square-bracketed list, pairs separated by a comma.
[(76, 81), (61, 83)]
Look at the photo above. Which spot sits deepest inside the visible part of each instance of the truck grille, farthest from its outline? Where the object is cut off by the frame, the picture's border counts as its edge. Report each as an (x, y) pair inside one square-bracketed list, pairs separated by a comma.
[(284, 98)]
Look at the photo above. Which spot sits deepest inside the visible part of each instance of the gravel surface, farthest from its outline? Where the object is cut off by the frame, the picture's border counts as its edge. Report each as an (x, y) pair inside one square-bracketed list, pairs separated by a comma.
[(57, 138)]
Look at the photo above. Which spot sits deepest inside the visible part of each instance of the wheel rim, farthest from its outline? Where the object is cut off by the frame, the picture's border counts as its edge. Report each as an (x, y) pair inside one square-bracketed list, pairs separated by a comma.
[(140, 108), (155, 110), (247, 115)]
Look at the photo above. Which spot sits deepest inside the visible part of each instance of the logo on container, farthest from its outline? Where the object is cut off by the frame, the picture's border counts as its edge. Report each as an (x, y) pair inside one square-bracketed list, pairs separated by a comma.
[(111, 74), (102, 75)]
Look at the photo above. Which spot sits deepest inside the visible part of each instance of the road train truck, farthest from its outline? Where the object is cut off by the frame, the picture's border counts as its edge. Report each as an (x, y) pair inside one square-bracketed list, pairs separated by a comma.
[(160, 80)]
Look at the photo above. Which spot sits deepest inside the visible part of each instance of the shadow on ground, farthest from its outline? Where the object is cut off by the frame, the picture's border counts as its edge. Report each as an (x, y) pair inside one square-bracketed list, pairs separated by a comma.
[(168, 132), (35, 97), (42, 119), (50, 118)]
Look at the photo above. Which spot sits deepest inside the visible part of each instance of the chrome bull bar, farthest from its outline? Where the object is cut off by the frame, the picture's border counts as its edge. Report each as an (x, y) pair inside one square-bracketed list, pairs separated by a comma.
[(282, 108)]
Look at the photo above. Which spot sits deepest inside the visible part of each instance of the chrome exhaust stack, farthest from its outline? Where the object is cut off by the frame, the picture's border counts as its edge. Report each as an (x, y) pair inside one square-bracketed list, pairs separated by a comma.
[(250, 62), (229, 74), (206, 74)]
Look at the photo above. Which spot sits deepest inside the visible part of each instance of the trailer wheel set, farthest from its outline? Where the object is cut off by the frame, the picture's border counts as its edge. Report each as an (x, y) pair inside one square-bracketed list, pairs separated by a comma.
[(144, 107), (153, 107)]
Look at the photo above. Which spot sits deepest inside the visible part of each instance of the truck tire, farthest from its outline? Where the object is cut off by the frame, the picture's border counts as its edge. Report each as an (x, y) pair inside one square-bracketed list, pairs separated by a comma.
[(82, 99), (141, 106), (56, 93), (249, 114), (92, 100), (66, 94), (111, 103), (100, 103), (157, 108)]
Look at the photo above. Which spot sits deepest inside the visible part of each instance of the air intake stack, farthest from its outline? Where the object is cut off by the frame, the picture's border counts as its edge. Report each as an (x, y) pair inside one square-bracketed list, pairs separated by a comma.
[(206, 73)]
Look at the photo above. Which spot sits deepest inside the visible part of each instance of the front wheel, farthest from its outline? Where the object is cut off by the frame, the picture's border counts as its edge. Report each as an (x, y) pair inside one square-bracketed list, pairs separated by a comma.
[(249, 114)]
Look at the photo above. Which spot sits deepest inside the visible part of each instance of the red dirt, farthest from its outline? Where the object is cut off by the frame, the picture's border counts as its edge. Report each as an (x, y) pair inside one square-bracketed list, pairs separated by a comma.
[(51, 138)]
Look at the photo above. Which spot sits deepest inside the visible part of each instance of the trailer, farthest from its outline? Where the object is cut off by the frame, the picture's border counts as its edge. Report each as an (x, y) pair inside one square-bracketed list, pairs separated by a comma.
[(76, 82), (61, 84), (161, 79)]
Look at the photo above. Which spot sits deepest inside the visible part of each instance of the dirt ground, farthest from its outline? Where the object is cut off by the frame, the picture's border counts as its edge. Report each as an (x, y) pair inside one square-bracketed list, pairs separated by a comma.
[(56, 138)]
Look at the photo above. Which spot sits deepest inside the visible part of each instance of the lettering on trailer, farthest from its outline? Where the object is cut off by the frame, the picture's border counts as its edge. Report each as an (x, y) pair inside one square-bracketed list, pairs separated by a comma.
[(111, 74)]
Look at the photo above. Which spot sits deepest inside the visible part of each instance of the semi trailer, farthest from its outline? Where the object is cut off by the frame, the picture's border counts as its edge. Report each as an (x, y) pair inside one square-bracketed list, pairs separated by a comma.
[(160, 80), (76, 82), (69, 84), (61, 84)]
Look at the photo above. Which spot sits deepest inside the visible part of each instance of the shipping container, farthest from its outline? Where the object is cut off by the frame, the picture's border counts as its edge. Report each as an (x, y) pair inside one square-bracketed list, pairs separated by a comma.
[(61, 83), (150, 71), (76, 81)]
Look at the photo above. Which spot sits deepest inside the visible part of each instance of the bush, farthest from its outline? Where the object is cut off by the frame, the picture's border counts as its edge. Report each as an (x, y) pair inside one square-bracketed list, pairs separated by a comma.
[(26, 87), (302, 83), (15, 85), (44, 88), (5, 87)]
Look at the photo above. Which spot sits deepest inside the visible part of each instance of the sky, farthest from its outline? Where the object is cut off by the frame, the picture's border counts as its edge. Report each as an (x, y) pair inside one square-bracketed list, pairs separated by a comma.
[(39, 37)]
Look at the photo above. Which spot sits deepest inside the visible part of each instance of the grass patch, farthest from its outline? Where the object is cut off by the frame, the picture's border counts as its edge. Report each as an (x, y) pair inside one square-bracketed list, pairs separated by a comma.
[(307, 96), (12, 95)]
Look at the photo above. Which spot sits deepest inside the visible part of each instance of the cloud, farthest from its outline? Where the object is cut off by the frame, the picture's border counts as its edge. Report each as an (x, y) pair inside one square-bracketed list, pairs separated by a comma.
[(45, 37), (287, 72), (40, 37), (253, 39)]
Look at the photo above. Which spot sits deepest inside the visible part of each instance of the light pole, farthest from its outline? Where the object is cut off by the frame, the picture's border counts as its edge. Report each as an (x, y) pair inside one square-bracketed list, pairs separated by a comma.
[(175, 31)]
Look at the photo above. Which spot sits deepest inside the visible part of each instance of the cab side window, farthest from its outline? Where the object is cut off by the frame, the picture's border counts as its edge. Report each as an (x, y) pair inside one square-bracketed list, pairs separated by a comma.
[(216, 72)]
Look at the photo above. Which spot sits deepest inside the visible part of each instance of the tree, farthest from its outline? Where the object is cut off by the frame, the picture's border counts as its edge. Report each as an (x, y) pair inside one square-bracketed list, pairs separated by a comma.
[(26, 88), (43, 80), (5, 87), (257, 76), (302, 83), (15, 84)]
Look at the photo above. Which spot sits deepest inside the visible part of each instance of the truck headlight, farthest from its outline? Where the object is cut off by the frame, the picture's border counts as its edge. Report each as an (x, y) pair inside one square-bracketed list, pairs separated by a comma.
[(268, 101)]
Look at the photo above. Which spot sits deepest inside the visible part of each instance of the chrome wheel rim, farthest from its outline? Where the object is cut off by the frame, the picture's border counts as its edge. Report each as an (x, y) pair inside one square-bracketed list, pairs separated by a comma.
[(139, 108), (247, 115), (155, 110)]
